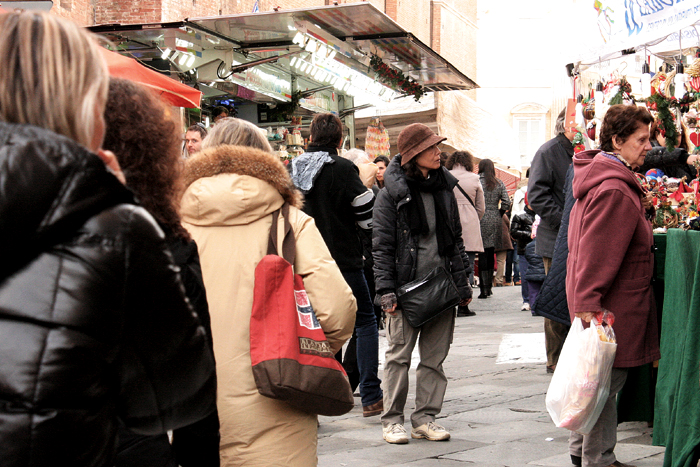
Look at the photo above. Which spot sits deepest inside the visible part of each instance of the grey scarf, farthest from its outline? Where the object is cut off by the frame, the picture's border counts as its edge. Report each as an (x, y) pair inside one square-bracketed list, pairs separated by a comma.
[(306, 168)]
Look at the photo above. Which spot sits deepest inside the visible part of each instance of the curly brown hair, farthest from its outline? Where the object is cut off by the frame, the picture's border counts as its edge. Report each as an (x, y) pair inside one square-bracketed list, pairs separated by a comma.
[(622, 121), (463, 158), (143, 134)]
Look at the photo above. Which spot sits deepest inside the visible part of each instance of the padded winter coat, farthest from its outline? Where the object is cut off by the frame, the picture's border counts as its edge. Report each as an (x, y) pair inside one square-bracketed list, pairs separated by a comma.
[(611, 255), (535, 265), (94, 325), (227, 207), (521, 228), (395, 249)]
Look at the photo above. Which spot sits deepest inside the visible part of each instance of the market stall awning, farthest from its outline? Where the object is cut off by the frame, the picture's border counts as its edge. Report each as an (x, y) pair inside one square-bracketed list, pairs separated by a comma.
[(361, 25), (262, 51), (173, 92), (612, 28)]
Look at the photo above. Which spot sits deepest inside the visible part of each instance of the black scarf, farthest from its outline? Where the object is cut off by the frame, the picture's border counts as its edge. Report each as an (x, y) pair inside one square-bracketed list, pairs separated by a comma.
[(418, 222)]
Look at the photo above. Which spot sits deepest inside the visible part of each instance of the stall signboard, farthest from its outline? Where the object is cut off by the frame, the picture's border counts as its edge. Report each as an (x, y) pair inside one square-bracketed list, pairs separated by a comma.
[(626, 24)]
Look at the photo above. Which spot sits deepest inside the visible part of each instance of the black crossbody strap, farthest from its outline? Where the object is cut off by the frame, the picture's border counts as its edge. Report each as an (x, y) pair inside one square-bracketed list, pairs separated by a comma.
[(465, 194)]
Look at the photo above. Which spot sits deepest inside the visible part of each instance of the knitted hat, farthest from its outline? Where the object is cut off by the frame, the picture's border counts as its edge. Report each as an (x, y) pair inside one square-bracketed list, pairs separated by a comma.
[(414, 139)]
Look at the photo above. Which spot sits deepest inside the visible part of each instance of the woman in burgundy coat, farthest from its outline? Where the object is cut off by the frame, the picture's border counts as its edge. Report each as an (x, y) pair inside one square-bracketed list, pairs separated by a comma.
[(610, 261)]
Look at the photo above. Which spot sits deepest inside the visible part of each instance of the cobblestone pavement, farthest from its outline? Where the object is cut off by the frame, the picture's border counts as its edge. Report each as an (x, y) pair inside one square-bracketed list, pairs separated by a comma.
[(494, 406)]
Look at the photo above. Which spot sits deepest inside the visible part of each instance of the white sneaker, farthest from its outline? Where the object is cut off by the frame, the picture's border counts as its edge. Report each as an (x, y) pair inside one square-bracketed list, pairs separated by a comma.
[(430, 431), (395, 434), (525, 307)]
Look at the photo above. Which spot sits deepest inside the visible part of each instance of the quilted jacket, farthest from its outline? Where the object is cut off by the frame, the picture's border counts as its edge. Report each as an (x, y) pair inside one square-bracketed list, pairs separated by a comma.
[(551, 299), (394, 248), (94, 325), (535, 265)]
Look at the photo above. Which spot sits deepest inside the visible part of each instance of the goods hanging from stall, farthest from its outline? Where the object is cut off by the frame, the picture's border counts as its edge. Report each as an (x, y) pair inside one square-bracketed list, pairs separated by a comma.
[(377, 139)]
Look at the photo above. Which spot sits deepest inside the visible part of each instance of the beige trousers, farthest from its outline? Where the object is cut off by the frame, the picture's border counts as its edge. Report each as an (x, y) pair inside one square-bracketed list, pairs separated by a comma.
[(434, 339), (500, 267)]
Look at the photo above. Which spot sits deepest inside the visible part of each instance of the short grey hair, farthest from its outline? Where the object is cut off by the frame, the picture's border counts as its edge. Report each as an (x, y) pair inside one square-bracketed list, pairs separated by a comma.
[(561, 119)]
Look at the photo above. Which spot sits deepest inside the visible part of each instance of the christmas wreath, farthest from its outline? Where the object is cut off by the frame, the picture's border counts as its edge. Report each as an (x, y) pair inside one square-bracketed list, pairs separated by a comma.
[(395, 78)]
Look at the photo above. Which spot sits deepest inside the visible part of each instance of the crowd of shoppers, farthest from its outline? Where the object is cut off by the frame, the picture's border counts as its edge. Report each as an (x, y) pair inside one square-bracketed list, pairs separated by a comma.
[(127, 280)]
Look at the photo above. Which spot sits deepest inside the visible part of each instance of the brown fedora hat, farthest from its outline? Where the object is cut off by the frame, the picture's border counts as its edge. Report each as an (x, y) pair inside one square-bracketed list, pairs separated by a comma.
[(414, 139)]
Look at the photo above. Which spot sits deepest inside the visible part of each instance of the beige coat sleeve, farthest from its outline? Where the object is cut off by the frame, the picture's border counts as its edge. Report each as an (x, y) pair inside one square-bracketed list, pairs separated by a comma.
[(329, 294)]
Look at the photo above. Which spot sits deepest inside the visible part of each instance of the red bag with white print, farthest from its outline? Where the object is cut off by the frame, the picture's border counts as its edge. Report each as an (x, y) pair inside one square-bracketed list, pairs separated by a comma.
[(292, 360)]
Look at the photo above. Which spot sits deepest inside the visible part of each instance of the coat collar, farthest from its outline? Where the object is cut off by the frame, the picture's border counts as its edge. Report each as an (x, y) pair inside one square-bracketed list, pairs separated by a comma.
[(243, 160)]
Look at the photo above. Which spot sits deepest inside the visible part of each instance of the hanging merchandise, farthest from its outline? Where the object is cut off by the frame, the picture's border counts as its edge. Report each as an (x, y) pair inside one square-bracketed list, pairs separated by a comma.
[(377, 139)]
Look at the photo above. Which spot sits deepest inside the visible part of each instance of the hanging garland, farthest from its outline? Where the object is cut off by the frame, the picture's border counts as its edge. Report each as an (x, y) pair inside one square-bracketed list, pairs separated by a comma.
[(396, 78), (283, 112), (667, 124)]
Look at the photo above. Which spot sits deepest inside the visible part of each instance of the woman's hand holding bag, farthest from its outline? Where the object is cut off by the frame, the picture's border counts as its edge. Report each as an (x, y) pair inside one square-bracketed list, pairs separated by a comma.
[(581, 383)]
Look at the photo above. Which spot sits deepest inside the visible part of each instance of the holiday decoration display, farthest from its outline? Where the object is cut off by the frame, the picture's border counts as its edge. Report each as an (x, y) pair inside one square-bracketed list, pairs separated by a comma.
[(395, 78)]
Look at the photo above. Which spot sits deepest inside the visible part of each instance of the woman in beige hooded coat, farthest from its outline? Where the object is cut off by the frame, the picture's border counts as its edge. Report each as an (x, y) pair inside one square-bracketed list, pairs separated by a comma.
[(231, 193)]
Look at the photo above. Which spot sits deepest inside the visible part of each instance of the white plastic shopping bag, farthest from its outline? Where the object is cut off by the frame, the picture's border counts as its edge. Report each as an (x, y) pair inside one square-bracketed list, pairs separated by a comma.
[(581, 382)]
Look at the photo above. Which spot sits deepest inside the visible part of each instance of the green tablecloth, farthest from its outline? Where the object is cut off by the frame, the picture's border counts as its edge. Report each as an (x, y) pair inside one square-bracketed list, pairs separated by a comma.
[(677, 402)]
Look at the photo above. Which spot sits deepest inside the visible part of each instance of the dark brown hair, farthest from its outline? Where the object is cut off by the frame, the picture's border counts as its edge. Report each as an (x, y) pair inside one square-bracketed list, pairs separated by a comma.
[(463, 158), (143, 134), (486, 167), (198, 127), (382, 159), (326, 131), (411, 170), (622, 121)]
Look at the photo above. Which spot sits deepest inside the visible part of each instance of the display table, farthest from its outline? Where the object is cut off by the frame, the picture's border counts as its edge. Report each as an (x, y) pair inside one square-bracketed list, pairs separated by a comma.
[(677, 402)]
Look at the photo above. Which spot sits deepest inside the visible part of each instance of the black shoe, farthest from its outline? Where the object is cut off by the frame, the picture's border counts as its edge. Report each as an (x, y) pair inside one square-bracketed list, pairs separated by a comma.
[(464, 311), (576, 460), (482, 295)]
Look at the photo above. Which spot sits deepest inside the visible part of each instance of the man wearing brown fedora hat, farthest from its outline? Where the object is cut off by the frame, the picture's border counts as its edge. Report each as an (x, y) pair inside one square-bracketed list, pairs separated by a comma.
[(417, 229)]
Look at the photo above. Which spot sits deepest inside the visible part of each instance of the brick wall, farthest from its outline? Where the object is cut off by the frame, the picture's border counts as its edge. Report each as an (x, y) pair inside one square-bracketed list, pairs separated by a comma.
[(80, 11)]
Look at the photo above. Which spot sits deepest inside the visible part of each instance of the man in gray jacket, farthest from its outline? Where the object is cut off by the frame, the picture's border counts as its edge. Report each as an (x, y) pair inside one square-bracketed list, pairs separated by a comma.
[(545, 192)]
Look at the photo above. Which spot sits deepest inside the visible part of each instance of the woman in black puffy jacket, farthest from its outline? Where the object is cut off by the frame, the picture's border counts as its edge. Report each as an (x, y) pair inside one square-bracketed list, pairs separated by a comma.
[(416, 228), (94, 325)]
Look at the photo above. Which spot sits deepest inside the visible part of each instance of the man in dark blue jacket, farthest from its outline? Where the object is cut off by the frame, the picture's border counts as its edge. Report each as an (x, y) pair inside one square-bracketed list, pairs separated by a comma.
[(546, 196)]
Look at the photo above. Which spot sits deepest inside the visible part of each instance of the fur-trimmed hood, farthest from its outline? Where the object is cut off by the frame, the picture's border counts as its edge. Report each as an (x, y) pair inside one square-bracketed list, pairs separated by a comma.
[(229, 185)]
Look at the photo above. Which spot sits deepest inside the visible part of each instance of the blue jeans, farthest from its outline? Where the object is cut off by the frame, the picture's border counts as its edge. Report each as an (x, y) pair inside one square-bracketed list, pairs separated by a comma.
[(523, 283), (516, 262), (367, 339)]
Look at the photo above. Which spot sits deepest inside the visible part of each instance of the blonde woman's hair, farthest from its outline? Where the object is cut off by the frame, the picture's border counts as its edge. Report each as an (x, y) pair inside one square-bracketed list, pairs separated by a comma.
[(53, 75), (237, 132)]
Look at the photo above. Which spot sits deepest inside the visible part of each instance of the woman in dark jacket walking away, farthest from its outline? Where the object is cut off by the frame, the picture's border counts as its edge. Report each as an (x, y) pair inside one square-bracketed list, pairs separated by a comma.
[(138, 125), (416, 229), (497, 203), (94, 324)]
